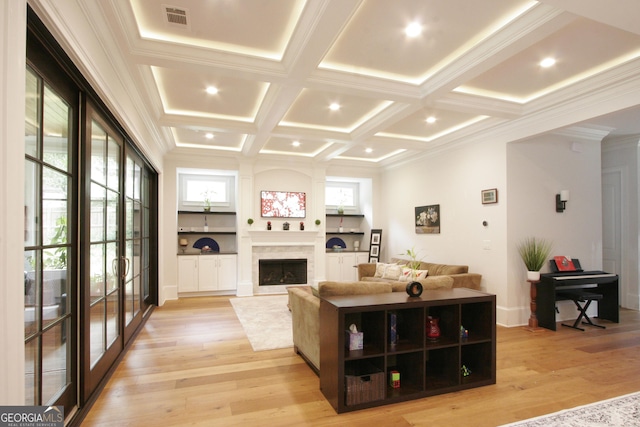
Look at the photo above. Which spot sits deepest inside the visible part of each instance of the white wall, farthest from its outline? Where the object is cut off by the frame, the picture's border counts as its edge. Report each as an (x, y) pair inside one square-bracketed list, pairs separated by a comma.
[(12, 97), (537, 169), (527, 175), (454, 180)]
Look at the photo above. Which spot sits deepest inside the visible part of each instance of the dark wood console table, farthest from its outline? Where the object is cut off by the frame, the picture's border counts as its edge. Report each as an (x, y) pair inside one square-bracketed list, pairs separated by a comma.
[(425, 366)]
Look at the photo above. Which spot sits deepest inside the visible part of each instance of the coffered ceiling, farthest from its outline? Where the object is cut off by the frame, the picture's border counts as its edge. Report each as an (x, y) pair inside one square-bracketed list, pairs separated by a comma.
[(278, 65)]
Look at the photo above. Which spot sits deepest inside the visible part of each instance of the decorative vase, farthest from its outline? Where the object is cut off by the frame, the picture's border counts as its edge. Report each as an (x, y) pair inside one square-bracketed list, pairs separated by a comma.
[(533, 276), (433, 329)]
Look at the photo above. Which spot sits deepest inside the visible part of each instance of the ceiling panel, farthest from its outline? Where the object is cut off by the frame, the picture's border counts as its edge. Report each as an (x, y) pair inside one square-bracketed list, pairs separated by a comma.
[(521, 78), (184, 92), (374, 41), (251, 27)]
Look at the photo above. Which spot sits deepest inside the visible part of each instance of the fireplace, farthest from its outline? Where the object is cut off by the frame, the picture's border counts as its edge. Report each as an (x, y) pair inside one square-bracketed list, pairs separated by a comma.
[(282, 272)]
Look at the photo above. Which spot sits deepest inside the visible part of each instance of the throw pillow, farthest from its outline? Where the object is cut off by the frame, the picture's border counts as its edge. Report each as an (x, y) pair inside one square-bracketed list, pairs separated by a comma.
[(408, 274), (393, 272), (380, 268)]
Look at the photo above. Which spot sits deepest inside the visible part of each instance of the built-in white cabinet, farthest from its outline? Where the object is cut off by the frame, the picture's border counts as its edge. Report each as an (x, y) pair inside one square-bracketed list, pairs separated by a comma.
[(342, 266), (207, 273)]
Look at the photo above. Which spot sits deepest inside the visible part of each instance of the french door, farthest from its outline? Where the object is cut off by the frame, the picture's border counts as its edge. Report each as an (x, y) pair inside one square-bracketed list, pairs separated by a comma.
[(103, 270), (118, 272), (90, 257)]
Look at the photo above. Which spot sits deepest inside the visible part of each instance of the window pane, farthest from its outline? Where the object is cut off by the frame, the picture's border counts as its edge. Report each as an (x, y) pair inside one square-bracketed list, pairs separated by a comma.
[(113, 165), (339, 196), (97, 272), (113, 265), (96, 338), (55, 361), (54, 289), (98, 202), (198, 191), (31, 386), (98, 153), (32, 115), (112, 318), (112, 215), (31, 204), (56, 130), (54, 208), (31, 292)]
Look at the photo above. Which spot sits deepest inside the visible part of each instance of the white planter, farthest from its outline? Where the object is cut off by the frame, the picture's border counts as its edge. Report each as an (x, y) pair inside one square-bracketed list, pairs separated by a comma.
[(533, 275)]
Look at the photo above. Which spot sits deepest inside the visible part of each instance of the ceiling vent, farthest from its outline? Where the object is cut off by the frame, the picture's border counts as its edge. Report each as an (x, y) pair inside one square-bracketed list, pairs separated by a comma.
[(176, 15)]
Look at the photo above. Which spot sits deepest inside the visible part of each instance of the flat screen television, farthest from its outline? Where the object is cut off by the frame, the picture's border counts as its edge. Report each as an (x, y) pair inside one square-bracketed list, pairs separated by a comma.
[(283, 204)]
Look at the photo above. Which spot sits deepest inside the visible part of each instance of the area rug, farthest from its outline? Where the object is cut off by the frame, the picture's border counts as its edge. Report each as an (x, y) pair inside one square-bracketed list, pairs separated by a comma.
[(266, 320), (620, 411)]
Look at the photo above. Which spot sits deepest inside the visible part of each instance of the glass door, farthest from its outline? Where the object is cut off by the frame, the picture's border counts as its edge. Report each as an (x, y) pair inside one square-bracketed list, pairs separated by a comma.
[(137, 232), (104, 269), (49, 244)]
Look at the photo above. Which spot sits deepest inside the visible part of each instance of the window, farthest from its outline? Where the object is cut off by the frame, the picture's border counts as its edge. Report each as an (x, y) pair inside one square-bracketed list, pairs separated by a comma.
[(343, 194), (198, 190)]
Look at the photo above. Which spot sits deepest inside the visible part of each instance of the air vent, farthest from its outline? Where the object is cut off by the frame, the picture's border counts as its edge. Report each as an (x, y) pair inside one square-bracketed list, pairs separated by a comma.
[(176, 16)]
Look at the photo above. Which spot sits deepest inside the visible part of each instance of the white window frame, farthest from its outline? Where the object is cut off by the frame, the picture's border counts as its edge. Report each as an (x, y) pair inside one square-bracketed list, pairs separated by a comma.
[(195, 205), (350, 185)]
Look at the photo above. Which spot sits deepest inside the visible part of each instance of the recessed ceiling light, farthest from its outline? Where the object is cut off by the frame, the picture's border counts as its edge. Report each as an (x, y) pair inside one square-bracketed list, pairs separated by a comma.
[(547, 62), (296, 143), (212, 90), (369, 150), (413, 30), (208, 135), (430, 120), (334, 107)]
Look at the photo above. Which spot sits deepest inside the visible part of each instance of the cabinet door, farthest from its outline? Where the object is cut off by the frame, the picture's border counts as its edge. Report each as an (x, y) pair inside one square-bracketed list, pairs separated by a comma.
[(349, 271), (187, 273), (208, 273), (334, 267), (340, 267), (227, 272)]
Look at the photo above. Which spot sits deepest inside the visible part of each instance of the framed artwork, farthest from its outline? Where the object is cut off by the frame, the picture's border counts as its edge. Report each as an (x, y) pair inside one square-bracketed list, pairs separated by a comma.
[(427, 219), (374, 245), (283, 204), (490, 196)]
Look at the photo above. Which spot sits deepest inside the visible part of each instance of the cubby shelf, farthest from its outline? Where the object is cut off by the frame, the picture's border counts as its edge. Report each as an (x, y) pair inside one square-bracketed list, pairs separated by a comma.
[(427, 367)]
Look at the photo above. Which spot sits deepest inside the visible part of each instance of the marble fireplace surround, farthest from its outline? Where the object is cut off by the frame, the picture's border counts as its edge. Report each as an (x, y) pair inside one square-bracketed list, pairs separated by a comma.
[(282, 245)]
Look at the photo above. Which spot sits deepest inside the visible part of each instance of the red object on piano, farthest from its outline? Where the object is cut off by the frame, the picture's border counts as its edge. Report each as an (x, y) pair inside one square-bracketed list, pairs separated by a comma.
[(564, 263)]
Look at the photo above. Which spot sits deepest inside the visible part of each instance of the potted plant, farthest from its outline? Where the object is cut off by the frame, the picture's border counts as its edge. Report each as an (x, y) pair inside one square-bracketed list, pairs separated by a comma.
[(250, 221), (534, 253)]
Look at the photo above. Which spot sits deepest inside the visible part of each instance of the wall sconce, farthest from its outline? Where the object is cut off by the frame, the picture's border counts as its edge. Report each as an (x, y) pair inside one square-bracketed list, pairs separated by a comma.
[(561, 200)]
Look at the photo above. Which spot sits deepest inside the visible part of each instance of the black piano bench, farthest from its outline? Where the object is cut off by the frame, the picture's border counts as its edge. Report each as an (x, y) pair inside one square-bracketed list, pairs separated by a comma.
[(578, 296)]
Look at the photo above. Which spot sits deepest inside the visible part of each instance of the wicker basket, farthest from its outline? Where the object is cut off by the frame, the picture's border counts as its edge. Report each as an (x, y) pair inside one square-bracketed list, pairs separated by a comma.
[(364, 388)]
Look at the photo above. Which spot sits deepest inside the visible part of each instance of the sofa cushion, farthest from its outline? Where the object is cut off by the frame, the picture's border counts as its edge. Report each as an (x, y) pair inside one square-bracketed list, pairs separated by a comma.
[(329, 288), (428, 283), (436, 269)]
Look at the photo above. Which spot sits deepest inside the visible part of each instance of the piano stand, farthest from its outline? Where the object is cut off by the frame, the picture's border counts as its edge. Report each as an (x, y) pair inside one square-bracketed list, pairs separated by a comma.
[(578, 296)]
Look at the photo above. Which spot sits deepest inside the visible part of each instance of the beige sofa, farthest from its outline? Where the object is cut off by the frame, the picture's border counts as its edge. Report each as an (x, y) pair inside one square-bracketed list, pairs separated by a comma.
[(459, 273), (304, 304)]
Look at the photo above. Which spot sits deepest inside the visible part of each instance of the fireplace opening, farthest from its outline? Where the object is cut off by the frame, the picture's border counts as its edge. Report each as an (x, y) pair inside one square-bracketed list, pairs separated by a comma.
[(282, 272)]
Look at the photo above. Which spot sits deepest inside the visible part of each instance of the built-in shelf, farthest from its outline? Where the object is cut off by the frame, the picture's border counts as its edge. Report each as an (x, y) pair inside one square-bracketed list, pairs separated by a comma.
[(346, 215), (207, 232), (354, 233), (205, 213)]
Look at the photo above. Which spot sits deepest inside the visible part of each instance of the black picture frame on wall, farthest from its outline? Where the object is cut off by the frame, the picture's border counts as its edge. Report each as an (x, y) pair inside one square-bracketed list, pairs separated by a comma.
[(374, 245)]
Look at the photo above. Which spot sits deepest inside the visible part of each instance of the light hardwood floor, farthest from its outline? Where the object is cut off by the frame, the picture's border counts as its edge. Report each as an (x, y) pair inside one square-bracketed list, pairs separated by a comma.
[(193, 365)]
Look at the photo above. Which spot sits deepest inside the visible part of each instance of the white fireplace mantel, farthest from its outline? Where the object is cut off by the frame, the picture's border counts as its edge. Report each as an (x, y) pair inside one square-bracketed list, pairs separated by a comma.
[(283, 238)]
